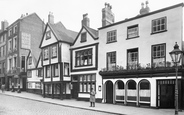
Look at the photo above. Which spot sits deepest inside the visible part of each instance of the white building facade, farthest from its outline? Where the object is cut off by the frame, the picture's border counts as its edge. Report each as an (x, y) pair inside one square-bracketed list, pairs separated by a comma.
[(135, 64), (84, 63)]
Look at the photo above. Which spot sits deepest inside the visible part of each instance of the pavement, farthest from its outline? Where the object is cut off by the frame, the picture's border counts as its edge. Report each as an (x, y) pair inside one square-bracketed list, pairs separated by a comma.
[(100, 107)]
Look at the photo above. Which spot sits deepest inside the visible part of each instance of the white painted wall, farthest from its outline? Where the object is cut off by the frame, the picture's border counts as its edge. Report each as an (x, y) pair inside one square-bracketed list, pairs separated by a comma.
[(145, 41)]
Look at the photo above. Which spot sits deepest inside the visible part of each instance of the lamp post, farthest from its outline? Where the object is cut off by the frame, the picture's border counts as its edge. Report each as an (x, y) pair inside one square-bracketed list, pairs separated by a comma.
[(176, 56)]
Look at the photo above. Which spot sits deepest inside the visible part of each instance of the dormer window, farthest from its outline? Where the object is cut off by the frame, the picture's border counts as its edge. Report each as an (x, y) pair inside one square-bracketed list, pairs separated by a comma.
[(83, 37), (48, 35), (30, 60)]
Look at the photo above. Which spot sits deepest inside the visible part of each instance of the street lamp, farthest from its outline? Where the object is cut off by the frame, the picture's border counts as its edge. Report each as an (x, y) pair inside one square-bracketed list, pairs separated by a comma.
[(176, 56)]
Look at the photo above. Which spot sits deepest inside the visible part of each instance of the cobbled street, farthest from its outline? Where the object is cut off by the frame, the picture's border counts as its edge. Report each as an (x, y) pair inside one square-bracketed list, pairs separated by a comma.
[(18, 106)]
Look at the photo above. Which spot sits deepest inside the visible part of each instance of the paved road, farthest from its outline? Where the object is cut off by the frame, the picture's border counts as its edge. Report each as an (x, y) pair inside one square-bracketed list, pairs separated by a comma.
[(18, 106)]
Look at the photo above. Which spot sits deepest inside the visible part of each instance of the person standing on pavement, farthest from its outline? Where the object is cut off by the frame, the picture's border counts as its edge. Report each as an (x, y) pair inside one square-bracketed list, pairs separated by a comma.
[(3, 88), (92, 97)]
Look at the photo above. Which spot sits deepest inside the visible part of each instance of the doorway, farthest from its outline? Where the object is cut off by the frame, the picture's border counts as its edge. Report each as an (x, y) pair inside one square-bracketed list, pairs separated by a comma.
[(74, 90), (167, 96), (109, 92)]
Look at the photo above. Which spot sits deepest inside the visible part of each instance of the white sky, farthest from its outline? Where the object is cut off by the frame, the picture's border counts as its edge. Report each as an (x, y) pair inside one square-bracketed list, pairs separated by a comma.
[(70, 12)]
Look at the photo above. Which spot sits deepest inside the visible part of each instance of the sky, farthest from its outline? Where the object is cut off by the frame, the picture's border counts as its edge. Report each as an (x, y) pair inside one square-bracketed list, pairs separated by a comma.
[(70, 12)]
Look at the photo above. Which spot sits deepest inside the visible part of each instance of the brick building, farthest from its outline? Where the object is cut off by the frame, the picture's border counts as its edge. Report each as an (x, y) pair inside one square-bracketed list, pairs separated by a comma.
[(24, 35)]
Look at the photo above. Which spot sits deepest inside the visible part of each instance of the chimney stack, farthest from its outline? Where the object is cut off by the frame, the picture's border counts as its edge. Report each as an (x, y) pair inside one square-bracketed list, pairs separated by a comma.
[(51, 18), (85, 20), (144, 10), (107, 15), (4, 25)]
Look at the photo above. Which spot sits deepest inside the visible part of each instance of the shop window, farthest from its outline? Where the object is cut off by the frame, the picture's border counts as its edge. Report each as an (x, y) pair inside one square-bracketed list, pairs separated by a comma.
[(131, 84), (86, 82)]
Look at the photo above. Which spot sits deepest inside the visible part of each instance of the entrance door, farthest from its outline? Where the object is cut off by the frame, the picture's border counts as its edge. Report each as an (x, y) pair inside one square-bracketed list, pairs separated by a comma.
[(74, 90), (167, 96), (109, 92)]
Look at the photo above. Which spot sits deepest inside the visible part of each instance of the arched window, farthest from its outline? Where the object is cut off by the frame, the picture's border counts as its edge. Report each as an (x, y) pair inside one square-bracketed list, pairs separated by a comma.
[(131, 84), (119, 85), (144, 85)]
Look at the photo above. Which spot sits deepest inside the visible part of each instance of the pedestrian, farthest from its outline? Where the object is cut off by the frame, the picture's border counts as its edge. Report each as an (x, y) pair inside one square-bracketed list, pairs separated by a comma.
[(92, 97), (13, 87), (3, 88)]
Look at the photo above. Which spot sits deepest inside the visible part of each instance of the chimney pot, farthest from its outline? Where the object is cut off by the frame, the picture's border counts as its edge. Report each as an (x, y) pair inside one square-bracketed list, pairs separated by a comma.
[(85, 20), (51, 18)]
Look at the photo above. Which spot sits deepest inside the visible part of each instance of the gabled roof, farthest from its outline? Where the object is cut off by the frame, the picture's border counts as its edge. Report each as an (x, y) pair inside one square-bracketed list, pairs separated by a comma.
[(62, 33), (24, 17), (40, 56), (91, 31), (33, 57)]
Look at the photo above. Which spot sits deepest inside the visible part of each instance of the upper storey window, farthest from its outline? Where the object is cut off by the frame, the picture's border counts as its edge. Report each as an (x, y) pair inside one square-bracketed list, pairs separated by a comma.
[(111, 60), (158, 55), (132, 31), (10, 32), (83, 37), (54, 51), (111, 36), (159, 25), (46, 54), (15, 29), (48, 35), (84, 57)]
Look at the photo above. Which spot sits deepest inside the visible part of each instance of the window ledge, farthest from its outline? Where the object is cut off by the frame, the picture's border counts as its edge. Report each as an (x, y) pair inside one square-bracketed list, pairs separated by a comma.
[(46, 59), (158, 32), (132, 37), (83, 41), (66, 75), (111, 42), (54, 57), (84, 65)]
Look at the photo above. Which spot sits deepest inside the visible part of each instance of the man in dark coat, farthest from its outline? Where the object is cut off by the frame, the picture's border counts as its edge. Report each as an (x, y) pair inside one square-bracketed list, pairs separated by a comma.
[(92, 97)]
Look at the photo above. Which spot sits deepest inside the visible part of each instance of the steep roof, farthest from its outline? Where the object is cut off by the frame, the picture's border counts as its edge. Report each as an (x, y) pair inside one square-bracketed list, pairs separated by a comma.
[(91, 31), (62, 33)]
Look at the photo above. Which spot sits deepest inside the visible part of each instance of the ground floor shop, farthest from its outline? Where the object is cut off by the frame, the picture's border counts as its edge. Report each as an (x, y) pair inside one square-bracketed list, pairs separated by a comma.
[(16, 81), (34, 87), (2, 80), (81, 85), (156, 91), (60, 90)]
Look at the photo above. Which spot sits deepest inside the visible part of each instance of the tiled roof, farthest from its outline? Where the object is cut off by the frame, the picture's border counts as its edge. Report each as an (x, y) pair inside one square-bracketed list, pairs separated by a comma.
[(62, 33), (93, 32)]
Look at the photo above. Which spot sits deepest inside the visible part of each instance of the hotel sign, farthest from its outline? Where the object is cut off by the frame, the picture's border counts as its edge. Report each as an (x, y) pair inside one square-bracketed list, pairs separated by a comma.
[(26, 40)]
